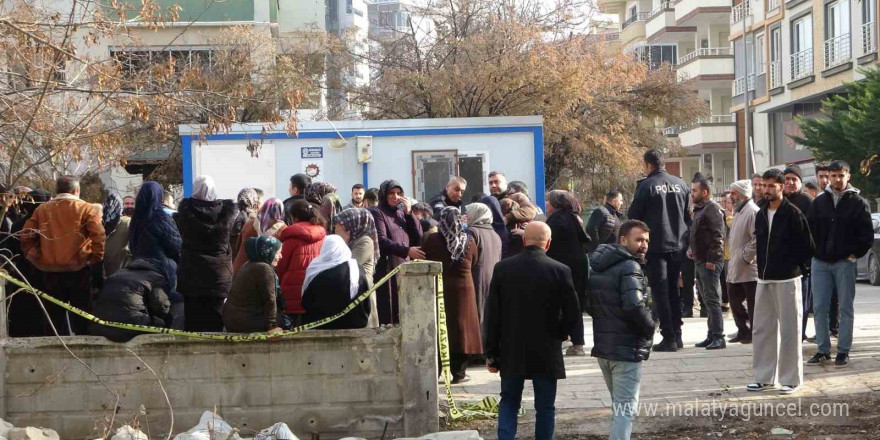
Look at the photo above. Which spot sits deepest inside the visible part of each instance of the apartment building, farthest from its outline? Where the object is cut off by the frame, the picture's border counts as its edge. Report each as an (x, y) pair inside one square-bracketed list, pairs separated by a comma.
[(790, 55), (691, 36)]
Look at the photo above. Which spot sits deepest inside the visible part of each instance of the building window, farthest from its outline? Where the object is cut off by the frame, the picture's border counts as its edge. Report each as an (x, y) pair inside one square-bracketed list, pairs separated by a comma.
[(133, 62), (775, 58), (802, 48), (348, 6), (869, 27), (760, 58), (837, 33)]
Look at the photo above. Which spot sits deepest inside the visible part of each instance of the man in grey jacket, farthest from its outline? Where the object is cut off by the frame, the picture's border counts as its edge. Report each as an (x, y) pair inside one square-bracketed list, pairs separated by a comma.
[(742, 272), (707, 251)]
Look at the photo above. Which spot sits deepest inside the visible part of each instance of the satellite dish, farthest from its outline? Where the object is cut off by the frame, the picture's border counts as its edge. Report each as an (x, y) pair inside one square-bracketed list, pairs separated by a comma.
[(338, 144)]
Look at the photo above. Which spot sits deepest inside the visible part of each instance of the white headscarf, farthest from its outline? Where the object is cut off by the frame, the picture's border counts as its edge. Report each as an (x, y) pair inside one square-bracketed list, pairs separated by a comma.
[(478, 214), (204, 189), (334, 252)]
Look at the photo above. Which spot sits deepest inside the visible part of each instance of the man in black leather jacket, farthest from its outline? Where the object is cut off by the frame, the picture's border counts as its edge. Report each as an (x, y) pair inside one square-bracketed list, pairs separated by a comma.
[(662, 201), (623, 331)]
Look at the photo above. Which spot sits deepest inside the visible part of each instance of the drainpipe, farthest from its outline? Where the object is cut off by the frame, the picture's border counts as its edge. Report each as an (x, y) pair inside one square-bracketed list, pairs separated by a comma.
[(748, 146)]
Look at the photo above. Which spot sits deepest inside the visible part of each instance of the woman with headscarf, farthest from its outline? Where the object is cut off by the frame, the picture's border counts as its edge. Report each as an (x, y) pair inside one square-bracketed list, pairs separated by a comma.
[(205, 273), (332, 281), (153, 239), (301, 243), (269, 222), (357, 228), (116, 250), (25, 315), (330, 208), (569, 247), (458, 253), (399, 233), (248, 203), (255, 302), (479, 229), (498, 224)]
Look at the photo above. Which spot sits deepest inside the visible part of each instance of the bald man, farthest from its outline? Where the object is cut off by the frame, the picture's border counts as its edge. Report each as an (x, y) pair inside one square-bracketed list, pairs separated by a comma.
[(531, 307)]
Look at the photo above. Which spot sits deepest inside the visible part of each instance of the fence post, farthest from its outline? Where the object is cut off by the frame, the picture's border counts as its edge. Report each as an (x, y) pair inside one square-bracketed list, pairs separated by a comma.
[(418, 321), (4, 335)]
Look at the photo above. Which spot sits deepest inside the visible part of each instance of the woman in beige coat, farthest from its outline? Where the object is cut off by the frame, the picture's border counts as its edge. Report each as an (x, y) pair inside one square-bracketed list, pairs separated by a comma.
[(357, 227)]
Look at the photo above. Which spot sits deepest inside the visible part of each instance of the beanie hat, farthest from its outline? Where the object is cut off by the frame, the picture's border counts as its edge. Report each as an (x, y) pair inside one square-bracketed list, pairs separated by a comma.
[(793, 169), (743, 187)]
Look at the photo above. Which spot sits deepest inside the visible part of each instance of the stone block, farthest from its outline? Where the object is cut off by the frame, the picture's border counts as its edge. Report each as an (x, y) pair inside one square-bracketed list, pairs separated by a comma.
[(386, 389), (343, 390), (295, 390)]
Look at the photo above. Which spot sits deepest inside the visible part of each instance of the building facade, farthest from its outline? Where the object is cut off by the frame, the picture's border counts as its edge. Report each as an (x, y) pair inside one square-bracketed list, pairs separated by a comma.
[(691, 36), (796, 53)]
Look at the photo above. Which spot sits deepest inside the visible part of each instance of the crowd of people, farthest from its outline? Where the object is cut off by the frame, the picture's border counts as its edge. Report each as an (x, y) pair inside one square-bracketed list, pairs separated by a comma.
[(516, 277)]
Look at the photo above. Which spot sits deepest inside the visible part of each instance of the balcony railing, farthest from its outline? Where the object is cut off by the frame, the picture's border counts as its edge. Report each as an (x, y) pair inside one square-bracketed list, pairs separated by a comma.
[(837, 51), (641, 16), (750, 82), (714, 119), (772, 5), (869, 38), (775, 74), (739, 86), (663, 6), (705, 52), (802, 64), (740, 11), (671, 131)]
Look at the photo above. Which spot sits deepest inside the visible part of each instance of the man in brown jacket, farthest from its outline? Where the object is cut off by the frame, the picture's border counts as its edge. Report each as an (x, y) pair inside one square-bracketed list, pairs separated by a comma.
[(64, 238), (707, 251)]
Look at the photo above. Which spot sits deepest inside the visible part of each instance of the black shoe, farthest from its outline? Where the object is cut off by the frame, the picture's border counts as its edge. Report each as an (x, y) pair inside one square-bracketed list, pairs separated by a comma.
[(705, 343), (687, 314), (736, 339), (818, 359), (725, 309), (717, 344), (666, 345), (465, 379), (834, 335), (678, 342), (842, 360), (704, 314), (746, 341)]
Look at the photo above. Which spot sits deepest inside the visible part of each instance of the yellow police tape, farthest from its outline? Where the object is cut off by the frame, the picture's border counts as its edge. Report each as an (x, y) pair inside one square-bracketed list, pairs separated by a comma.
[(487, 407)]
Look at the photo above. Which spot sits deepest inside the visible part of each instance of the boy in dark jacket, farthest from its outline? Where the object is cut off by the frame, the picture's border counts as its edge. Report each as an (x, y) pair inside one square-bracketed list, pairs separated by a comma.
[(784, 247), (840, 222), (623, 330)]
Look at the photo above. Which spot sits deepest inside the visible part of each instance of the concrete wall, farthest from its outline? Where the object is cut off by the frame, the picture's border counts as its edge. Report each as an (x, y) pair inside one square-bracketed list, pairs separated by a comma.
[(333, 383)]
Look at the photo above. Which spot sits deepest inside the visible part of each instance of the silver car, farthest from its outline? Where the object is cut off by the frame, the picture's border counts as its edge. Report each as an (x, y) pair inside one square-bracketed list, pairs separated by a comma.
[(868, 267)]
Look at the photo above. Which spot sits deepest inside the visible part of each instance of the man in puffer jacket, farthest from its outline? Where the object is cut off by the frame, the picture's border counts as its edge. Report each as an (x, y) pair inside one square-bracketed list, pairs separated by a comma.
[(133, 295), (623, 331)]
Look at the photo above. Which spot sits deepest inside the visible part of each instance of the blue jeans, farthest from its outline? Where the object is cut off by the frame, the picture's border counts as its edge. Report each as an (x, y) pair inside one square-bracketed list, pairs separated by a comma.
[(511, 398), (623, 380), (709, 283), (826, 277)]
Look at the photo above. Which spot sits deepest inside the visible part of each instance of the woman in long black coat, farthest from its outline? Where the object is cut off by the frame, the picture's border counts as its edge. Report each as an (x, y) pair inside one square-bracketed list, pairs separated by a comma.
[(568, 246), (205, 273)]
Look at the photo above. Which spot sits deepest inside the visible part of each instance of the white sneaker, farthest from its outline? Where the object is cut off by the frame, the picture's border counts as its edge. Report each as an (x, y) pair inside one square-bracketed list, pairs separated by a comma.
[(788, 389), (759, 387)]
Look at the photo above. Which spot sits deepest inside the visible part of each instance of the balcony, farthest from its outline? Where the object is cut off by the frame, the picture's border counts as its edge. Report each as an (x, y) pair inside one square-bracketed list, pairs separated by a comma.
[(869, 38), (772, 5), (801, 64), (837, 51), (702, 12), (739, 86), (750, 82), (662, 18), (633, 28), (775, 74), (711, 67), (716, 131), (741, 11)]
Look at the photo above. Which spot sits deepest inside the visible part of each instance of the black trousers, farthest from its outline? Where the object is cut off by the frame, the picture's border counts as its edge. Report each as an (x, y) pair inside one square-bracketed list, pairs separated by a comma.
[(73, 288), (663, 272), (203, 314), (688, 278), (742, 305)]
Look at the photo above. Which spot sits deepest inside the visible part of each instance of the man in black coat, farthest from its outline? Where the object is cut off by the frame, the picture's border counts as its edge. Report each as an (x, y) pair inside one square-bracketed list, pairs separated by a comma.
[(623, 331), (298, 184), (450, 196), (794, 192), (662, 201), (840, 222), (784, 247), (604, 222), (531, 309)]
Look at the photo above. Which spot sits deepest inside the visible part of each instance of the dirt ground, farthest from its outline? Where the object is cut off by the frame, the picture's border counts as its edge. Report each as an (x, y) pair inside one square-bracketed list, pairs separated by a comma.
[(859, 419)]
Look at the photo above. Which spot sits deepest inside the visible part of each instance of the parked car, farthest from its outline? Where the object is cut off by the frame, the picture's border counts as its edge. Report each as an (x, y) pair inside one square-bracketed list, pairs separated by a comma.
[(869, 265)]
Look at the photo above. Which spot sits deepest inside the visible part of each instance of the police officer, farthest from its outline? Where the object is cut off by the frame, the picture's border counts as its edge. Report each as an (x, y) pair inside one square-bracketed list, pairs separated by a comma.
[(662, 202)]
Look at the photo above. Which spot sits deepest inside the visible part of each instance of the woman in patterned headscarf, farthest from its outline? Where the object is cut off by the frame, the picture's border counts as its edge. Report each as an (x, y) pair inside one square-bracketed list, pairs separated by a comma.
[(248, 204), (116, 251), (268, 222), (316, 191), (255, 302), (458, 253), (569, 246), (358, 228)]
